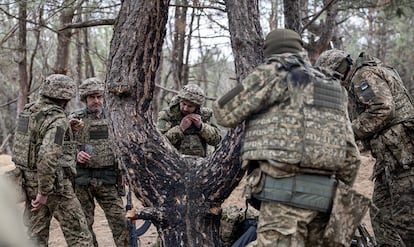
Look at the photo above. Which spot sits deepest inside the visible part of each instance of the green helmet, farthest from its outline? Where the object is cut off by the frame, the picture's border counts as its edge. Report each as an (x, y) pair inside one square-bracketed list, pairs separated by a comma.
[(58, 86), (90, 86), (192, 93), (336, 60)]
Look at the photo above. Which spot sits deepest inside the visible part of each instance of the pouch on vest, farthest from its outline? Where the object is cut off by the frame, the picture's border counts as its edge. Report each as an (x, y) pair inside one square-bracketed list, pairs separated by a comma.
[(25, 138), (314, 192), (98, 138)]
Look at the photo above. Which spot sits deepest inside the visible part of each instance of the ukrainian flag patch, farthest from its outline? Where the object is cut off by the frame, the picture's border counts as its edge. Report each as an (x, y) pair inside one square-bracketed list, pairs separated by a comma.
[(364, 86)]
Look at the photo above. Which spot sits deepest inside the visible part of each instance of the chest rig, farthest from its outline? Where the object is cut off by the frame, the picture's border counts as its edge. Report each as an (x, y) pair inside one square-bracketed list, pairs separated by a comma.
[(94, 139)]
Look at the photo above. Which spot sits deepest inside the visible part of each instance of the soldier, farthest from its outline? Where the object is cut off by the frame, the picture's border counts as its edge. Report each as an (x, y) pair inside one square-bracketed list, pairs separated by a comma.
[(186, 123), (382, 115), (99, 176), (298, 147), (37, 150)]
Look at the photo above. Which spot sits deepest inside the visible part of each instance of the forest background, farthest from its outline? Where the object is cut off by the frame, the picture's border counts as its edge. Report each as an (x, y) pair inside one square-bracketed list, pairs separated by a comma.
[(206, 42), (38, 38)]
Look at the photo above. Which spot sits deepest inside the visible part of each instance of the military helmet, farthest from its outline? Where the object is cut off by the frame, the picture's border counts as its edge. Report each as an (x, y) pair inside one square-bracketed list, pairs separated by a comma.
[(192, 93), (336, 60), (90, 86), (58, 86)]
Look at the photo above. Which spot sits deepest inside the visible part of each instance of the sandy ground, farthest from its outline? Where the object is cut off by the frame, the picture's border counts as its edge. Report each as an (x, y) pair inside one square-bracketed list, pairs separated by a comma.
[(363, 184)]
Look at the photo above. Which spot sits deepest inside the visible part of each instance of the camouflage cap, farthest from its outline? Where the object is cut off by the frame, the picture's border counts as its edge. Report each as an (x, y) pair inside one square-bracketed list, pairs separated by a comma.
[(336, 60), (90, 86), (192, 93), (58, 86)]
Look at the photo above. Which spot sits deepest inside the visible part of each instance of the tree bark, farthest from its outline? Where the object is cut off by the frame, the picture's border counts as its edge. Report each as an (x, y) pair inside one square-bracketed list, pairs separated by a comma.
[(64, 37), (181, 194), (21, 58)]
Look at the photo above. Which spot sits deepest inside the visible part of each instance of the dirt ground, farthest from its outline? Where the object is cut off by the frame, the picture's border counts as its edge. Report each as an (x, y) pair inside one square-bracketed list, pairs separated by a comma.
[(363, 185)]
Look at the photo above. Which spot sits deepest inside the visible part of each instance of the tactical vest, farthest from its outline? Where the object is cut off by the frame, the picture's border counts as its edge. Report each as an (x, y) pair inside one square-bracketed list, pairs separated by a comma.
[(95, 137), (404, 103), (307, 128), (26, 138)]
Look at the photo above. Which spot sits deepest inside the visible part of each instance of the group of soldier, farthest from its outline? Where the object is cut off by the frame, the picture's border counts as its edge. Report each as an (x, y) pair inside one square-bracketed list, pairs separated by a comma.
[(299, 149), (66, 165)]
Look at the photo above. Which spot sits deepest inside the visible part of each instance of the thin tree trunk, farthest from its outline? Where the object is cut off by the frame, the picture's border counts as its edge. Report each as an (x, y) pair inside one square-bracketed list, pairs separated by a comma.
[(22, 57), (64, 37)]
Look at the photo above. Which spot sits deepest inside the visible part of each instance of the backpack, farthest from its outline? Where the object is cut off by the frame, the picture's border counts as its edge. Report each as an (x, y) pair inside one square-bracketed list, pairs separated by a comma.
[(26, 135)]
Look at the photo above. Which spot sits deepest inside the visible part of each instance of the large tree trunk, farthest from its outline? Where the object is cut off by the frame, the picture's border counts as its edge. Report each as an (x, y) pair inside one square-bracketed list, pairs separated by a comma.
[(182, 195)]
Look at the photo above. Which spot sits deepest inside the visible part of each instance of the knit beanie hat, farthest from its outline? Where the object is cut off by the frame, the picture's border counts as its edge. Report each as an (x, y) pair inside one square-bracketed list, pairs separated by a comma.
[(282, 40)]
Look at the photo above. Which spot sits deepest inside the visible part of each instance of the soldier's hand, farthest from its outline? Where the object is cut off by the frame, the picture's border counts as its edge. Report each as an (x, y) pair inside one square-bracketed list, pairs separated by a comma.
[(76, 124), (38, 202), (83, 157), (196, 119), (185, 123)]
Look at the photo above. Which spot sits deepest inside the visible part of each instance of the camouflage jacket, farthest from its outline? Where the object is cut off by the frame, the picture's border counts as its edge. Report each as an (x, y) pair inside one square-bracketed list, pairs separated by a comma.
[(296, 117), (48, 146), (192, 141), (382, 114), (380, 98)]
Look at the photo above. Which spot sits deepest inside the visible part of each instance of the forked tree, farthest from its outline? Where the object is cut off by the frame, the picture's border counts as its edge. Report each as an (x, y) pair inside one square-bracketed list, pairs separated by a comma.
[(181, 195)]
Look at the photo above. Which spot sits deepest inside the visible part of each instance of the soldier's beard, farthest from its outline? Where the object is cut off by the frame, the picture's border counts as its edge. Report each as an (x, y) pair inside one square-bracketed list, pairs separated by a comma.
[(96, 108)]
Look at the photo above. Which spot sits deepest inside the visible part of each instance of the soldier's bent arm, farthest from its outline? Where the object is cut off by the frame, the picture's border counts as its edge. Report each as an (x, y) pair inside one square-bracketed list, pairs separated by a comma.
[(51, 148), (352, 160), (257, 91), (173, 133), (376, 101), (210, 133)]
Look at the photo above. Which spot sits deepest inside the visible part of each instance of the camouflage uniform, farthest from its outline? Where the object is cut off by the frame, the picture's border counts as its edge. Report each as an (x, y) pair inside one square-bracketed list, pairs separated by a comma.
[(382, 115), (99, 179), (37, 152), (192, 141), (296, 124)]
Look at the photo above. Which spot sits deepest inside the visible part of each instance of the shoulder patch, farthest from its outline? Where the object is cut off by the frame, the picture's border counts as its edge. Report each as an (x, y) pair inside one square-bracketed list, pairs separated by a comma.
[(364, 86), (60, 133), (366, 91)]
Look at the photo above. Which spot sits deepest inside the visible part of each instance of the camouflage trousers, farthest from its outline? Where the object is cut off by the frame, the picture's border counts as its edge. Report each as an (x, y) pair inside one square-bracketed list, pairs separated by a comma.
[(393, 224), (111, 203), (283, 225), (66, 209)]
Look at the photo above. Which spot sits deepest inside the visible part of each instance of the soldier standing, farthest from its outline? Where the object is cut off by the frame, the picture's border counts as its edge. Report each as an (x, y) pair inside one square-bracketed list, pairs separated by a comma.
[(298, 145), (98, 175), (186, 123), (382, 115), (38, 146)]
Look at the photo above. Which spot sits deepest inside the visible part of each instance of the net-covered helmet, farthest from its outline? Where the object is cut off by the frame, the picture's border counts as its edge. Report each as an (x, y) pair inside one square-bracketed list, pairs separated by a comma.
[(58, 86)]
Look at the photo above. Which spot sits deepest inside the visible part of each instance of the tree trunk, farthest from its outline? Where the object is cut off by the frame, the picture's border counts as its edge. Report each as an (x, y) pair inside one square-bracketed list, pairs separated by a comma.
[(246, 35), (325, 31), (292, 13), (64, 36), (22, 58), (177, 62), (181, 194)]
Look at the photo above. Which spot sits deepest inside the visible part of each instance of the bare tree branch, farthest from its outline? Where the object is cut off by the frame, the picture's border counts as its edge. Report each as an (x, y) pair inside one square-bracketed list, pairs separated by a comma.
[(90, 23)]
